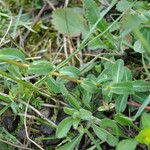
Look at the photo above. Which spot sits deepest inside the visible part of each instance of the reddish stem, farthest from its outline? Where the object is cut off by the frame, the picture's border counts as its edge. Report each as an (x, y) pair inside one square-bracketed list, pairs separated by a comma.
[(132, 103)]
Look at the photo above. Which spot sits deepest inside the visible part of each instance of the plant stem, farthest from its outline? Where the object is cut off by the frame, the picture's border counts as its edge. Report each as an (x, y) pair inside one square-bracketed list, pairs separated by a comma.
[(92, 139)]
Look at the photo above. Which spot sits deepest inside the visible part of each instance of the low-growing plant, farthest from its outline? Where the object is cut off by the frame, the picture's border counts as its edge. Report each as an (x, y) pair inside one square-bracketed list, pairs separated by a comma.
[(96, 98)]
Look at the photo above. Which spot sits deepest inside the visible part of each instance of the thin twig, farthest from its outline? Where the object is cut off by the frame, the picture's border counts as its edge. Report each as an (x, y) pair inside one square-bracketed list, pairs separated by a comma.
[(42, 116), (26, 130), (35, 21), (50, 4), (65, 46), (10, 23)]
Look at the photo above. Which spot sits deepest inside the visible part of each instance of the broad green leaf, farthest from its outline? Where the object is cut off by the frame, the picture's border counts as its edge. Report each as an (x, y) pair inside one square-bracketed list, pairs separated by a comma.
[(105, 135), (68, 21), (72, 100), (141, 86), (145, 120), (92, 12), (127, 74), (70, 71), (143, 36), (121, 103), (85, 114), (111, 125), (118, 71), (122, 88), (76, 123), (146, 32), (11, 54), (124, 120), (119, 88), (128, 144), (40, 67), (142, 107), (15, 71), (140, 97), (131, 22), (123, 5), (87, 97), (104, 75), (53, 85), (100, 132), (71, 144), (69, 111), (63, 127), (89, 86)]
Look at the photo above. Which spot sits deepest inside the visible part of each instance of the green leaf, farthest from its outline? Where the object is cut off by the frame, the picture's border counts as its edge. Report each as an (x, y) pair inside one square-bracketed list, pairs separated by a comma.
[(111, 125), (70, 71), (124, 120), (128, 144), (11, 54), (121, 103), (146, 32), (5, 98), (104, 75), (87, 97), (131, 22), (40, 67), (105, 135), (5, 108), (69, 111), (71, 144), (118, 71), (138, 47), (145, 119), (68, 21), (123, 5), (89, 86), (96, 44), (92, 12), (63, 127), (53, 85), (100, 132), (127, 74), (141, 86), (122, 88), (85, 114), (142, 107), (119, 88), (72, 100), (140, 97), (76, 123)]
